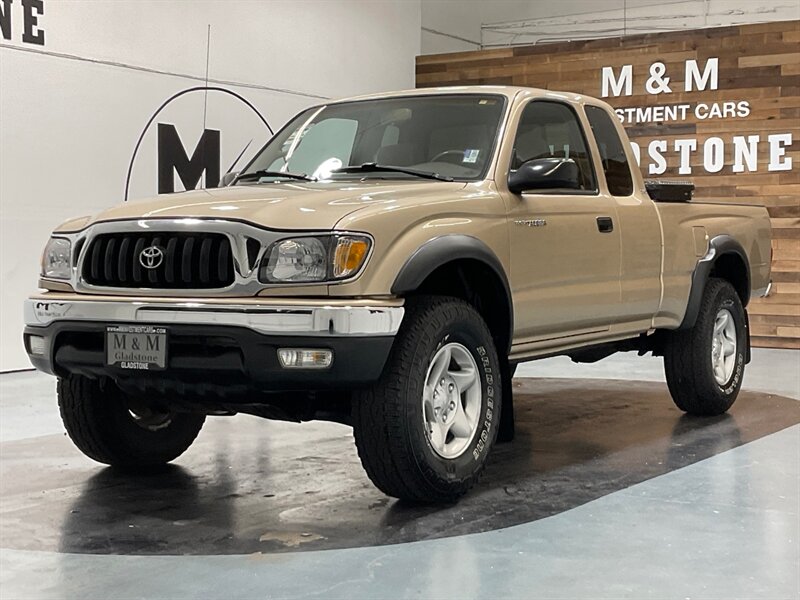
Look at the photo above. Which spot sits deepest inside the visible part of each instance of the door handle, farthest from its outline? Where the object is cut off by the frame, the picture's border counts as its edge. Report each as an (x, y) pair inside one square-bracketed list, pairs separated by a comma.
[(605, 224)]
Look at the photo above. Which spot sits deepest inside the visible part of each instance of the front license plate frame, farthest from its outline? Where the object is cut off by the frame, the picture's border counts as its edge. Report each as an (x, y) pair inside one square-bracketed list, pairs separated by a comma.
[(136, 347)]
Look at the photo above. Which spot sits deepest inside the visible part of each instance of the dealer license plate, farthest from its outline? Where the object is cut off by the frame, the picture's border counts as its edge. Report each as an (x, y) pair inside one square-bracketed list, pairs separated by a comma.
[(136, 347)]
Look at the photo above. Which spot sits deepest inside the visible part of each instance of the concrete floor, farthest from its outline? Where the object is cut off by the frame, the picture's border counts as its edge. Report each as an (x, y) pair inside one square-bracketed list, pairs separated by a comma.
[(607, 492)]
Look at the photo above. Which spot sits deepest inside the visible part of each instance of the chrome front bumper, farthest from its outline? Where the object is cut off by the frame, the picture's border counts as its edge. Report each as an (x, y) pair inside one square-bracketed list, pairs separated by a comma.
[(218, 343), (267, 319)]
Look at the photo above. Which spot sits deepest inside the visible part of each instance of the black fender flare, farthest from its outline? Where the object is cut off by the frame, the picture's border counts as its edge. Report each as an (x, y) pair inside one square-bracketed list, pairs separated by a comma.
[(718, 246), (442, 250)]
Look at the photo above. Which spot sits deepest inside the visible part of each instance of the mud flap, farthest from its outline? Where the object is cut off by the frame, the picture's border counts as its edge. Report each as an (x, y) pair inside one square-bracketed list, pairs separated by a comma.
[(506, 431), (747, 351)]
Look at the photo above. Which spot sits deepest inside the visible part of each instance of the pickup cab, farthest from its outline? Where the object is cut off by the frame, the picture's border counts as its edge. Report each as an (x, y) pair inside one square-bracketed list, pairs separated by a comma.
[(386, 262)]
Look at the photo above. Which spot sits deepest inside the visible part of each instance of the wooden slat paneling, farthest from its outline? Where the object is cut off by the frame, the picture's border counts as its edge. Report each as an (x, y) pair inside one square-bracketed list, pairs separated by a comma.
[(757, 63)]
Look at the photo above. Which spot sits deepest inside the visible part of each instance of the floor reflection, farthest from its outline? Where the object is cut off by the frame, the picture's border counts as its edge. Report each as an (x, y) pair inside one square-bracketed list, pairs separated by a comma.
[(151, 513), (253, 486)]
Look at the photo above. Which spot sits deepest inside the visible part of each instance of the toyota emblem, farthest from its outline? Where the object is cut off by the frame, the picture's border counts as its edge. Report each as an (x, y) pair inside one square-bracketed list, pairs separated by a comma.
[(151, 257)]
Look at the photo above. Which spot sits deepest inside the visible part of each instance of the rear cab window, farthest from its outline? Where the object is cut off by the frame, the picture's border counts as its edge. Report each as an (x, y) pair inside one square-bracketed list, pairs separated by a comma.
[(612, 152)]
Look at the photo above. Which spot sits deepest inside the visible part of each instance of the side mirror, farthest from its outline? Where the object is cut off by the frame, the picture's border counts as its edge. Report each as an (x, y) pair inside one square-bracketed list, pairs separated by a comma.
[(228, 178), (545, 174)]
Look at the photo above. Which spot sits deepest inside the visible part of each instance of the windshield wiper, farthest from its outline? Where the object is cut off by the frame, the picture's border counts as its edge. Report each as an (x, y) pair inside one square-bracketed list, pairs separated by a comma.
[(266, 173), (372, 167)]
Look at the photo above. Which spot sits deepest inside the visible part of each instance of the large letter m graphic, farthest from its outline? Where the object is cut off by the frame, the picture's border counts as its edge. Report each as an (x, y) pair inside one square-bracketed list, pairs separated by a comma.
[(172, 158)]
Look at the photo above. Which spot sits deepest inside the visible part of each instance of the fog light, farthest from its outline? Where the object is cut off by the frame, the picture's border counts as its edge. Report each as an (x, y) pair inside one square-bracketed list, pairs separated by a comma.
[(36, 345), (303, 358)]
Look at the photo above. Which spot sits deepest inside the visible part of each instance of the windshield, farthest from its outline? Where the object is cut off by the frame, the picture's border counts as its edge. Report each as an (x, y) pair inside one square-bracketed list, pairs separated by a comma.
[(450, 135)]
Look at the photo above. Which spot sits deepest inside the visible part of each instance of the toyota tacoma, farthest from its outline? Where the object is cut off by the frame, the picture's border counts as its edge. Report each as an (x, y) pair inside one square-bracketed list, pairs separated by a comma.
[(386, 262)]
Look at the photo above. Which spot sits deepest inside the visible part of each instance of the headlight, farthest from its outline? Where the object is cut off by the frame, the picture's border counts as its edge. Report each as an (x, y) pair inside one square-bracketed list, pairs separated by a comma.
[(299, 259), (314, 259), (56, 260)]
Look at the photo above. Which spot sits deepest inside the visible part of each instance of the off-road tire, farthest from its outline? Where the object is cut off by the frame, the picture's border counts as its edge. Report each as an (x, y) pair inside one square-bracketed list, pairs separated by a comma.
[(388, 420), (98, 421), (687, 355)]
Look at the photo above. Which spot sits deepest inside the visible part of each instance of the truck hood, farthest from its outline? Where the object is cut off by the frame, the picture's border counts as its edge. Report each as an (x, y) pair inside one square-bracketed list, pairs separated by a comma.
[(293, 205)]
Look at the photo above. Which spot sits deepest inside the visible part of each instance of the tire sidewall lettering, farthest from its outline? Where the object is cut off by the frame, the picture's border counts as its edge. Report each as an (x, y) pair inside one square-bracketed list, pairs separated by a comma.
[(484, 430), (734, 382)]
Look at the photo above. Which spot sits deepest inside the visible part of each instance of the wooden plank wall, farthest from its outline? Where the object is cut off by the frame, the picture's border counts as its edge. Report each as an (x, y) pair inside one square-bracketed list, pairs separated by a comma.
[(757, 63)]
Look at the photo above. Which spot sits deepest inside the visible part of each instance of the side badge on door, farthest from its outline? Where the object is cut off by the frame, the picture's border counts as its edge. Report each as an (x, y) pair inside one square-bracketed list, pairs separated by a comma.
[(531, 222)]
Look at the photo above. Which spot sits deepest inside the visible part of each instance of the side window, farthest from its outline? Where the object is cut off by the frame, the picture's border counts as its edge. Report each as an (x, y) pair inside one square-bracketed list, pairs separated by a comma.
[(551, 129), (612, 152)]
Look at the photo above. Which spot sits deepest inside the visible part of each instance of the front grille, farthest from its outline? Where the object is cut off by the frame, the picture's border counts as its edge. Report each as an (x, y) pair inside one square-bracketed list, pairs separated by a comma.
[(178, 260)]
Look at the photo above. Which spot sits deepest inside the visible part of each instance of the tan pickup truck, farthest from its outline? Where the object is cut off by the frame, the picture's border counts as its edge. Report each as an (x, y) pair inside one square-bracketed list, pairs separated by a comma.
[(386, 262)]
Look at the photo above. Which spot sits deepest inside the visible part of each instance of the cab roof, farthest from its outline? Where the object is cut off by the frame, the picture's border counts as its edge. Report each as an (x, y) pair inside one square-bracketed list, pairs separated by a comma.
[(509, 91)]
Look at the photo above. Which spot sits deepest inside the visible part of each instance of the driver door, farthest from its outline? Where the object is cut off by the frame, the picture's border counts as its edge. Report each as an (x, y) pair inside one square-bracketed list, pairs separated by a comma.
[(565, 244)]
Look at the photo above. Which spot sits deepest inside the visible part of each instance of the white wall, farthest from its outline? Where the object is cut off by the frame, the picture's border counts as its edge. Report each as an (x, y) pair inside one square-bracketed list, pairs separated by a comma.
[(72, 110), (451, 25), (508, 22)]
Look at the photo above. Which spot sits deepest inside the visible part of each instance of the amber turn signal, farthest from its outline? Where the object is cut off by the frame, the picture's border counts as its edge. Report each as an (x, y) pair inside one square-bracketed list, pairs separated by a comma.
[(349, 255)]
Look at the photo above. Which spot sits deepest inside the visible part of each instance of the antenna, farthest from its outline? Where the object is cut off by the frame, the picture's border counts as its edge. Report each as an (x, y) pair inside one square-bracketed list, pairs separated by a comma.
[(205, 100)]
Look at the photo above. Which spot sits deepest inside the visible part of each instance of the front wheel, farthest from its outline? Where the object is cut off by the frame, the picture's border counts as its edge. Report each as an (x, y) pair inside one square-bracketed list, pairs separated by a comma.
[(704, 365), (116, 429), (424, 431)]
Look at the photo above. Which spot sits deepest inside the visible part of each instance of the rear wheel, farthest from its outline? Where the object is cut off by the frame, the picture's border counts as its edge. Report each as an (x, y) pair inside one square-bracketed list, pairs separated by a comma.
[(424, 431), (113, 428), (704, 365)]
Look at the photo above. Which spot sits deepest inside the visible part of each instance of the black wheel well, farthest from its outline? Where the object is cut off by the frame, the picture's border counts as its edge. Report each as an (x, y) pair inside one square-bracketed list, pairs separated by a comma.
[(732, 268), (479, 285), (728, 262)]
